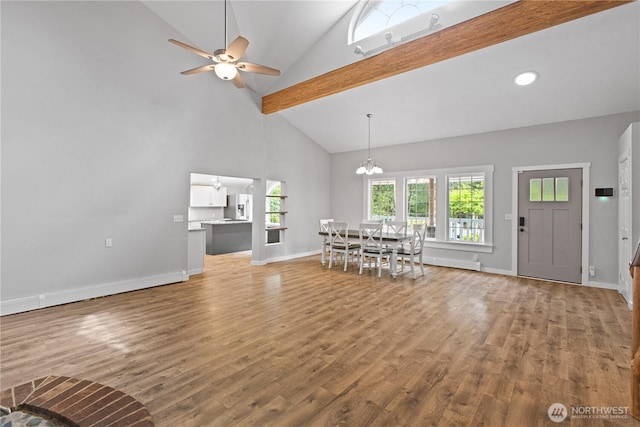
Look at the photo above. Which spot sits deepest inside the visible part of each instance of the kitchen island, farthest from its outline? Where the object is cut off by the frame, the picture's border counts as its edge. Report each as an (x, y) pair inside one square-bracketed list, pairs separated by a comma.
[(225, 236)]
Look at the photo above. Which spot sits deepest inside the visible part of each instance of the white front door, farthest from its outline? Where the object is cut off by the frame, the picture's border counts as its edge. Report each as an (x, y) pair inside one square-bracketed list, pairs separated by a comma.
[(550, 224), (624, 227)]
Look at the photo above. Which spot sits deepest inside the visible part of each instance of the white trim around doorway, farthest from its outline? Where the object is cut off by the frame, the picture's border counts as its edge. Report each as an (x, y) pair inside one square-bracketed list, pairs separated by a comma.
[(586, 167)]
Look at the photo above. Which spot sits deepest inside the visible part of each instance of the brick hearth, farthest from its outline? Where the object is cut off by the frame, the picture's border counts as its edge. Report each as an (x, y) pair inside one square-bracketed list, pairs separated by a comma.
[(77, 403)]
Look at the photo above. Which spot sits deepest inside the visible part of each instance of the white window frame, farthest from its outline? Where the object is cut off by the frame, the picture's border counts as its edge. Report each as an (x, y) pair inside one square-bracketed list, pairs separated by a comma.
[(442, 205)]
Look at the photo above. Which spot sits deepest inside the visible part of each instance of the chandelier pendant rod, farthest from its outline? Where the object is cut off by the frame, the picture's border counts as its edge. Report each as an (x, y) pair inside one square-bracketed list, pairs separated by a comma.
[(369, 116)]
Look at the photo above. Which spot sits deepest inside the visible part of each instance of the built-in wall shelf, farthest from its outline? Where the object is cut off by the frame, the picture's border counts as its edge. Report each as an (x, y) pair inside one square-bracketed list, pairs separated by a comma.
[(276, 228), (275, 213)]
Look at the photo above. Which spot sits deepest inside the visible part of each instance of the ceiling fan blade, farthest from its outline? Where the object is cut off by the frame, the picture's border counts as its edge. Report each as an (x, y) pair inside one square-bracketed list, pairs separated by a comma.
[(192, 49), (237, 48), (255, 68), (208, 67), (238, 81)]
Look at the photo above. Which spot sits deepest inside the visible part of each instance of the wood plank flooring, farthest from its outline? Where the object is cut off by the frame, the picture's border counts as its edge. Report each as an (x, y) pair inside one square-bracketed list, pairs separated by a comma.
[(295, 344)]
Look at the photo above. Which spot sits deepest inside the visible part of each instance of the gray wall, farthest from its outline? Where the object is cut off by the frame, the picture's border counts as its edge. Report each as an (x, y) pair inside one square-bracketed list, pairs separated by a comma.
[(592, 140), (99, 135)]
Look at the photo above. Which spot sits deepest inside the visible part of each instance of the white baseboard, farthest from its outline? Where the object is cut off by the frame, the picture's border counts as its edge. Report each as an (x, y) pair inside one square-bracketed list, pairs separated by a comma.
[(454, 263), (497, 271), (602, 285), (19, 305), (286, 257), (195, 271)]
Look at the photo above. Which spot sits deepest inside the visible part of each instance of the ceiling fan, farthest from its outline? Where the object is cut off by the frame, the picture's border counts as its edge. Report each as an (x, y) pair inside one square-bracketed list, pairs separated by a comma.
[(226, 62)]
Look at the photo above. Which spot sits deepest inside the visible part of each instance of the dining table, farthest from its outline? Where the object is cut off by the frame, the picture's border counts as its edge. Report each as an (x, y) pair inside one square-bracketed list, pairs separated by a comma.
[(393, 240)]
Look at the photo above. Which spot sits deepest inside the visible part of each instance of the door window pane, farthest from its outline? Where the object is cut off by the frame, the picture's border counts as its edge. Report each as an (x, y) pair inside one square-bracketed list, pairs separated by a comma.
[(421, 203), (562, 189), (548, 193), (535, 190), (383, 200)]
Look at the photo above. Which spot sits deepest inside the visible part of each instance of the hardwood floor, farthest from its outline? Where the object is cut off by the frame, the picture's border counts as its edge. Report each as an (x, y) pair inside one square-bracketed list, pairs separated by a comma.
[(295, 344)]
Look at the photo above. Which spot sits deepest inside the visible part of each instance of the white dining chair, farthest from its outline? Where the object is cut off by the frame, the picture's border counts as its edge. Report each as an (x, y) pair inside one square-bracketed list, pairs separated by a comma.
[(340, 244), (398, 227), (415, 248), (326, 240), (371, 245)]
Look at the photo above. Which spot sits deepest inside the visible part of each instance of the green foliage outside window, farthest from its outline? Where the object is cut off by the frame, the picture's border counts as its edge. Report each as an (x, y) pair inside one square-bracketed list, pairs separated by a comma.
[(274, 205), (383, 200), (466, 197), (421, 203)]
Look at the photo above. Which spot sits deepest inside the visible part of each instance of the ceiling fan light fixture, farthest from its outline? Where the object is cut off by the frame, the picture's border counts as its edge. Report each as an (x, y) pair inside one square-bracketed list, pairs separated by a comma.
[(225, 71)]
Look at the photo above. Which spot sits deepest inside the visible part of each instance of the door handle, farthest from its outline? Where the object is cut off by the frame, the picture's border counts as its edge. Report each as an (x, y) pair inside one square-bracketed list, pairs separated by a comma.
[(625, 238)]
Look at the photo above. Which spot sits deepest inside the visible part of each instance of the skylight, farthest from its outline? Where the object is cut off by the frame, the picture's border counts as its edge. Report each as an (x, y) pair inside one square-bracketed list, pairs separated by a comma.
[(377, 25), (379, 15)]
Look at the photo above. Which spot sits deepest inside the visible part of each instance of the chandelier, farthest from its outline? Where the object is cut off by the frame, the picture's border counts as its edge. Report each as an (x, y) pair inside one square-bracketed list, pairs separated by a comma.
[(217, 185), (369, 167)]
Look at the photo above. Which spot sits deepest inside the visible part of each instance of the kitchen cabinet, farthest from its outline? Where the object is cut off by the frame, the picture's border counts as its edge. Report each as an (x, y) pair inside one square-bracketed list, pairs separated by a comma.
[(228, 236), (207, 196)]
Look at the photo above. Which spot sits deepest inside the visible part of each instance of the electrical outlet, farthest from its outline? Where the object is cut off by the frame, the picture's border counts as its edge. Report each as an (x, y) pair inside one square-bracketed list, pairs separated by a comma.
[(592, 271), (108, 242), (178, 218)]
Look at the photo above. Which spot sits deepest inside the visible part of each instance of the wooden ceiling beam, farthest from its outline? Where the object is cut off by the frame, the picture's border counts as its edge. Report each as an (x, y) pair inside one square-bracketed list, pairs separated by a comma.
[(509, 22)]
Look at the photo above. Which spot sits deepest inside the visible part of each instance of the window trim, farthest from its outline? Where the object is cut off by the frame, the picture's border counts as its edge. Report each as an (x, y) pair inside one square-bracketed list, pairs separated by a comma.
[(442, 206)]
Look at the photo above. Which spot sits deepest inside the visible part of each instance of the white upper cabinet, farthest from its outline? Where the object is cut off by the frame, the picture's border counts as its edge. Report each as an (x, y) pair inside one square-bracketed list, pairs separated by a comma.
[(207, 196), (219, 198)]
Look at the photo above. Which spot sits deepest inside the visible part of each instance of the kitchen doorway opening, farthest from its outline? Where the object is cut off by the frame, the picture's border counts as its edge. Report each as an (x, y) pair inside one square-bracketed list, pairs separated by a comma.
[(221, 217)]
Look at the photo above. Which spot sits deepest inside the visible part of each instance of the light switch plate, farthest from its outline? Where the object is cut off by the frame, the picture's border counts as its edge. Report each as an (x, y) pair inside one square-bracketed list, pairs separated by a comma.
[(178, 218)]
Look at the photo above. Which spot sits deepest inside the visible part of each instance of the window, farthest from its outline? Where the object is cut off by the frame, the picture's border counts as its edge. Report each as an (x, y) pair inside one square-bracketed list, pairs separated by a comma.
[(377, 16), (549, 189), (273, 205), (466, 207), (421, 203), (377, 25), (455, 203), (383, 199)]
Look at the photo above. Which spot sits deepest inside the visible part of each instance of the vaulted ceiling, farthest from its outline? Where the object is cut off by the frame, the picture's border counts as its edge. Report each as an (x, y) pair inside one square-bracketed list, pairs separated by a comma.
[(588, 67)]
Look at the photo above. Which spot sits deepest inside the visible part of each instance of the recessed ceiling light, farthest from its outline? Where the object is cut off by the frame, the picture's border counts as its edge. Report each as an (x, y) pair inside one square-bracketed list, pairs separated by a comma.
[(526, 78)]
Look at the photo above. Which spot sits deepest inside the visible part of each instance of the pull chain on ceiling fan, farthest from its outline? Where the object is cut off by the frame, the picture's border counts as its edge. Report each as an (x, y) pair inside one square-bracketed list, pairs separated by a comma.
[(226, 61)]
